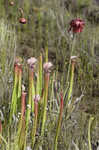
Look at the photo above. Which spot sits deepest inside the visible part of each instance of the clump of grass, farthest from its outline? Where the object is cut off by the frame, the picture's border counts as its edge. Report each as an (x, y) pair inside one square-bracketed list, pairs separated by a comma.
[(8, 40)]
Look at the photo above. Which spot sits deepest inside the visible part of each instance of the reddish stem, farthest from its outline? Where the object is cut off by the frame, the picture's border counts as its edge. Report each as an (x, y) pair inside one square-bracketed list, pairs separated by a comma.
[(36, 109), (23, 104), (16, 68), (20, 70), (61, 104)]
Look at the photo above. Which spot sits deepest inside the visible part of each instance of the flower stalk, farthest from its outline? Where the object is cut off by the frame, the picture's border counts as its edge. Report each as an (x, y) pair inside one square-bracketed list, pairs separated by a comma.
[(39, 77), (69, 66), (73, 62), (19, 82), (47, 66), (46, 47), (22, 20), (21, 12)]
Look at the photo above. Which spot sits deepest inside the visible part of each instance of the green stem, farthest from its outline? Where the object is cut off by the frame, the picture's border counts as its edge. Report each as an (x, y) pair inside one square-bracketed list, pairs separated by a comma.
[(34, 124), (33, 94), (14, 95), (29, 98), (46, 47), (46, 52), (68, 73), (39, 77), (71, 84), (45, 102), (20, 81)]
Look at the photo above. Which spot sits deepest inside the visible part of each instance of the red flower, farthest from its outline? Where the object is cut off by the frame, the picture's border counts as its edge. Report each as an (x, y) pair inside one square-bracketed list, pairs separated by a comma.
[(22, 20), (76, 25)]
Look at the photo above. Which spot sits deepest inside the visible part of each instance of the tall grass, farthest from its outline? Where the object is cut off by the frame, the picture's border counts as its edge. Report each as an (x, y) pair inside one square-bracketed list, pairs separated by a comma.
[(8, 40)]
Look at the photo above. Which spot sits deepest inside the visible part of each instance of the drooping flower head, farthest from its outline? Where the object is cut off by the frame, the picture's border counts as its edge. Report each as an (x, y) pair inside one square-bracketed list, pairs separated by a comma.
[(11, 3), (76, 25), (47, 67), (18, 64), (22, 20), (18, 61), (31, 62), (73, 59)]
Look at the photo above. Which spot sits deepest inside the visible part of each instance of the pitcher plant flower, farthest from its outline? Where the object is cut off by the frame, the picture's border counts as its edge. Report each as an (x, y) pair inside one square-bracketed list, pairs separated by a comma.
[(31, 62), (47, 67), (76, 25), (22, 20), (73, 59)]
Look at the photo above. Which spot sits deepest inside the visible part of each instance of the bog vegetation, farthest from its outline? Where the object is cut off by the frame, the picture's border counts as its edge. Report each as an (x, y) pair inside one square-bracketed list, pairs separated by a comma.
[(49, 75)]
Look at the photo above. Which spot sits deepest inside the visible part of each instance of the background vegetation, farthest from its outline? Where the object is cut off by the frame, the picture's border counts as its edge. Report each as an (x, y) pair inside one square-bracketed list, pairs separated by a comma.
[(47, 29)]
